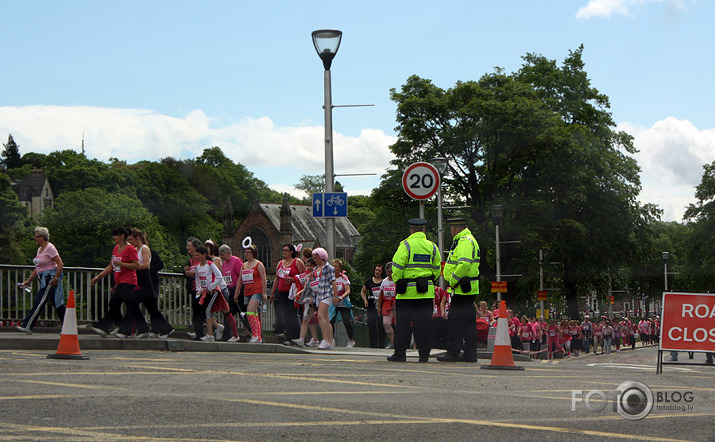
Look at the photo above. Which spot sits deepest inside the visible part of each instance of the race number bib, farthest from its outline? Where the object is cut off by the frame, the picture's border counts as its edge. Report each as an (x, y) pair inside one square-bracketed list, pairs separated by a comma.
[(303, 278), (247, 275), (36, 261), (282, 273), (116, 259), (203, 282), (314, 285), (389, 291), (227, 278), (375, 292), (340, 286)]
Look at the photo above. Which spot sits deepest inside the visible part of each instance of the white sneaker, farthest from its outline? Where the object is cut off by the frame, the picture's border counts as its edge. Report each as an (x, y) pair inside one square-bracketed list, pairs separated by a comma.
[(235, 339), (120, 335), (299, 342), (207, 338), (143, 335), (255, 340), (312, 343), (114, 331), (219, 332), (390, 346), (191, 335), (167, 335), (351, 344), (23, 329), (153, 335), (324, 345)]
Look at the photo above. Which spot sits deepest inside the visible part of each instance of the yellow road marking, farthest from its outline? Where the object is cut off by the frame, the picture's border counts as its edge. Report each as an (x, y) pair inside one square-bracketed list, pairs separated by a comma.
[(57, 384)]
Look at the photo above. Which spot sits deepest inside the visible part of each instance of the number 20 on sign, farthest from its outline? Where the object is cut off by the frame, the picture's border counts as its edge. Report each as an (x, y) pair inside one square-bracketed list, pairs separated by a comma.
[(420, 180)]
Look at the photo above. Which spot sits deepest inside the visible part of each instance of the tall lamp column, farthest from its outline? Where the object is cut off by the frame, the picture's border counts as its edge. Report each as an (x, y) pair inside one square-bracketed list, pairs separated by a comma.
[(497, 213), (327, 43), (441, 165)]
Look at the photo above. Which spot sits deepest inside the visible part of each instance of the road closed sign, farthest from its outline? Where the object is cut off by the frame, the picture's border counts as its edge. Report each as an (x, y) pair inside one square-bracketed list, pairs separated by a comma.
[(688, 322)]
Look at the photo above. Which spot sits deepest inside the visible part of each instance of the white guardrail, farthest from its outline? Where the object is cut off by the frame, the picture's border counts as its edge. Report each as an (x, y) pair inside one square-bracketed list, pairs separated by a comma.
[(93, 301)]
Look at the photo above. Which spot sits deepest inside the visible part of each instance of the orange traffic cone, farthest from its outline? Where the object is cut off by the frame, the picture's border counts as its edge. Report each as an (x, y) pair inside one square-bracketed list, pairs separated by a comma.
[(502, 358), (69, 340)]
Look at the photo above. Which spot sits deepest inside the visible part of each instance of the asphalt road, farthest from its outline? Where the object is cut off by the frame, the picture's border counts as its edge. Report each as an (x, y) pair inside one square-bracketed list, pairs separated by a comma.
[(152, 395)]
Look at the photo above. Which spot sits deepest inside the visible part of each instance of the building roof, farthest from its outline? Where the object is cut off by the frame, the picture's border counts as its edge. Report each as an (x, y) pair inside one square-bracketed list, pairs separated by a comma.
[(30, 186), (307, 229)]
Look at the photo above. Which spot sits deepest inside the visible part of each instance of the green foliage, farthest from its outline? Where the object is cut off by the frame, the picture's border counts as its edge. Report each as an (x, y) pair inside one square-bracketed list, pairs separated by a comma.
[(12, 214), (699, 268), (11, 154), (81, 222), (541, 143)]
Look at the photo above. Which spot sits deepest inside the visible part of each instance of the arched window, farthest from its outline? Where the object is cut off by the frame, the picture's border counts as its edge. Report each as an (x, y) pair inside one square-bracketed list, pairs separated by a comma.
[(263, 242)]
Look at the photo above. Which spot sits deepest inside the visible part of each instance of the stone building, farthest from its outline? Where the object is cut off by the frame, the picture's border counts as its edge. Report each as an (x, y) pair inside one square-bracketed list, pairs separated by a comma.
[(34, 192), (272, 225)]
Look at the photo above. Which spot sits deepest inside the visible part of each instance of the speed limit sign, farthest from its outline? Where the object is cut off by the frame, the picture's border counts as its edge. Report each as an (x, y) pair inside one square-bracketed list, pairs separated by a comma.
[(420, 180)]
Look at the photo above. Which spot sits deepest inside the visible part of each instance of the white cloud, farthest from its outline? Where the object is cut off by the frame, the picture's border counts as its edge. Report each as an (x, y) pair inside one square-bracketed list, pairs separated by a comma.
[(607, 8), (281, 154), (671, 154)]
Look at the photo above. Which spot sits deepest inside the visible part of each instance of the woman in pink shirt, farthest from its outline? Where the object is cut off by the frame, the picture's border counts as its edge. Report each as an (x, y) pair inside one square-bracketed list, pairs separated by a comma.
[(123, 265), (231, 267), (386, 304), (525, 332), (597, 336), (286, 271), (553, 335), (48, 271)]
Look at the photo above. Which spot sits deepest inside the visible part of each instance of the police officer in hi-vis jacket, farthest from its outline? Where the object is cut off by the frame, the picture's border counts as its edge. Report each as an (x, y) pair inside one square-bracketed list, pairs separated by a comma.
[(415, 267), (461, 272)]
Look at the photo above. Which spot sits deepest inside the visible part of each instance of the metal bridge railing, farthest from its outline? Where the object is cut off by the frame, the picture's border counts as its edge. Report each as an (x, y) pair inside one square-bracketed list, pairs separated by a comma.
[(93, 301)]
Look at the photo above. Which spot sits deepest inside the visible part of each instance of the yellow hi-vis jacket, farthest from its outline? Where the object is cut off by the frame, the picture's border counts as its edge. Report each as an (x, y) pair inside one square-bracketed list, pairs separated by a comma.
[(416, 257), (463, 262)]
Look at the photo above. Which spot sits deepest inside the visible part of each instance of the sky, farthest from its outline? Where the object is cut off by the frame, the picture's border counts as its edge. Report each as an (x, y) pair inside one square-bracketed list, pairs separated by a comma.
[(144, 80)]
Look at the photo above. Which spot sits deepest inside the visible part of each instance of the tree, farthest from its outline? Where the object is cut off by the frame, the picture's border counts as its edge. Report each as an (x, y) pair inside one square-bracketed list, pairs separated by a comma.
[(11, 154), (81, 223), (541, 143), (12, 214), (700, 243)]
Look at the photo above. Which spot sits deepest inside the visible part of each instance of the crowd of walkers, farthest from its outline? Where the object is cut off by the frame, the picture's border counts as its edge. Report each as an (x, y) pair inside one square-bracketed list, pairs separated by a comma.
[(572, 338), (311, 294)]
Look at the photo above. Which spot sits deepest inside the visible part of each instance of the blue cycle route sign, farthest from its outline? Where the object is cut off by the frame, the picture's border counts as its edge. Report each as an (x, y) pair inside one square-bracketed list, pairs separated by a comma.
[(330, 205)]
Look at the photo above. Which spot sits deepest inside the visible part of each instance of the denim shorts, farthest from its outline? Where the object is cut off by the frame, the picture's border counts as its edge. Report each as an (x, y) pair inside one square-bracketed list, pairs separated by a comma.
[(258, 297)]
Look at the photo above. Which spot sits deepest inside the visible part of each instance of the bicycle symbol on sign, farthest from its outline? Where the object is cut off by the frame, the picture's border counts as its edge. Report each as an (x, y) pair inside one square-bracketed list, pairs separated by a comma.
[(335, 199)]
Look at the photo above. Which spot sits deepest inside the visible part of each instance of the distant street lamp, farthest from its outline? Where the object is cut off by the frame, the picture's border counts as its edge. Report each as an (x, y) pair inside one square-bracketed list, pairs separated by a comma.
[(327, 42), (665, 256), (441, 165), (497, 213)]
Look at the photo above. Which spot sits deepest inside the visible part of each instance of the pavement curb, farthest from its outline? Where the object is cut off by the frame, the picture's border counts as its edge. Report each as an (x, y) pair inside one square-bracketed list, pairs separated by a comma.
[(13, 340)]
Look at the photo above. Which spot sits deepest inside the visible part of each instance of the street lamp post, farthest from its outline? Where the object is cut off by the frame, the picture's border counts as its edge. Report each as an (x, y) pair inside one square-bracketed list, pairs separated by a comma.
[(665, 256), (541, 278), (441, 165), (497, 213), (327, 42)]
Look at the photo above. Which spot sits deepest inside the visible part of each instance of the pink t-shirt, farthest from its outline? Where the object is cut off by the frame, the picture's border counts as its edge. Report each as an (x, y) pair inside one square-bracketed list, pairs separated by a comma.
[(43, 261), (282, 272), (232, 270), (123, 275)]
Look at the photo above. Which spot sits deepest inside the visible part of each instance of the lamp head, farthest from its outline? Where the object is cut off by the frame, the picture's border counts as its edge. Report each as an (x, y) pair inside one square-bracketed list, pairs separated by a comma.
[(327, 43), (440, 164), (497, 212), (665, 256)]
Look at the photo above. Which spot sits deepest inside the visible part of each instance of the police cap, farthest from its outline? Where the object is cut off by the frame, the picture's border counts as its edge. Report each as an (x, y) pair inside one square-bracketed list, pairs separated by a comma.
[(457, 221), (417, 222)]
